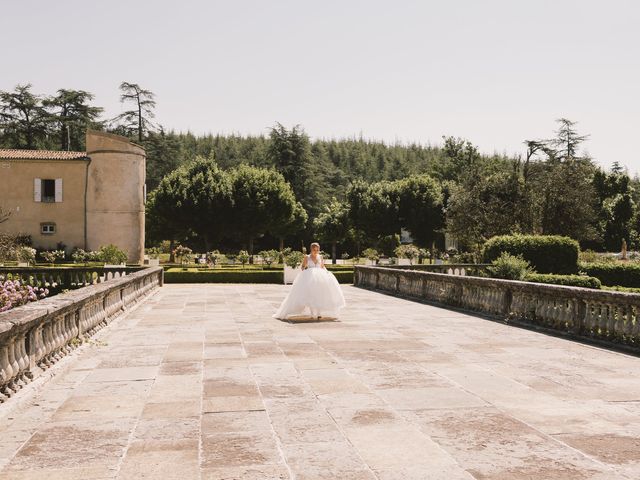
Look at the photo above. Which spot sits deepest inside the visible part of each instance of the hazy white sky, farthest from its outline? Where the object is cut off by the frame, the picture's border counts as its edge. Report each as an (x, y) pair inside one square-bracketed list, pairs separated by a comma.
[(493, 71)]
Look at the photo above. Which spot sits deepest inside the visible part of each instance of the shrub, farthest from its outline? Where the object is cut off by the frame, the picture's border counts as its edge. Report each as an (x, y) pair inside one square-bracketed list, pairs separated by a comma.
[(569, 280), (269, 256), (9, 244), (545, 253), (371, 254), (293, 258), (111, 254), (215, 257), (408, 251), (14, 293), (510, 267), (52, 255), (345, 256), (614, 274), (183, 253), (243, 257), (26, 254), (154, 252), (78, 255)]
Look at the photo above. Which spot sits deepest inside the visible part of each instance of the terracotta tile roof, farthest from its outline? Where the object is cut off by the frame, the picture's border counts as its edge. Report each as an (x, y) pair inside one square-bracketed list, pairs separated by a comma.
[(12, 154)]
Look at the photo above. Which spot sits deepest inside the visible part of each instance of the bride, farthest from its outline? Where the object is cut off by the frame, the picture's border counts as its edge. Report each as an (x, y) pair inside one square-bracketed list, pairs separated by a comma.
[(315, 291)]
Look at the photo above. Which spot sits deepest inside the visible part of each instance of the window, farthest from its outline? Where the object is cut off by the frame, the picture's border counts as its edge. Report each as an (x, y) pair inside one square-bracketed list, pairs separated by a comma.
[(47, 228), (47, 190)]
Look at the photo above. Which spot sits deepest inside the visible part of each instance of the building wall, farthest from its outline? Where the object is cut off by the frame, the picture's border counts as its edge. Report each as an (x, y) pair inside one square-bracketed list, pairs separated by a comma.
[(17, 195), (115, 199)]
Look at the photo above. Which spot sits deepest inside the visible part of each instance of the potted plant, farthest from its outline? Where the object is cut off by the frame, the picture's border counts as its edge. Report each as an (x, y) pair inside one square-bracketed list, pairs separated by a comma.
[(372, 255), (292, 265), (154, 256), (407, 254), (183, 254)]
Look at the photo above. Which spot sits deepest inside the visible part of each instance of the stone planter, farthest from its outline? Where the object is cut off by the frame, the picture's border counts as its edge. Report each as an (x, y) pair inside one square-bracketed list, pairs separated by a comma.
[(153, 262), (23, 264), (404, 261), (290, 274)]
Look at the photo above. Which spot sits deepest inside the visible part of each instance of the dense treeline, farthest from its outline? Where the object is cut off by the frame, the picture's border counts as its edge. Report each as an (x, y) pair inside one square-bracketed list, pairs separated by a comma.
[(356, 192)]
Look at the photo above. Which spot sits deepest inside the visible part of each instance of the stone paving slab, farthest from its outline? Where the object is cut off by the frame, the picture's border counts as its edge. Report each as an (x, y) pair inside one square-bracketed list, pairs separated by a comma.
[(199, 382)]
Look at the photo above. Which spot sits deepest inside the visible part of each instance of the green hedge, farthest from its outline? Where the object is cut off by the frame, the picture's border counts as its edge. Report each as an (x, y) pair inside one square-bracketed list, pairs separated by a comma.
[(568, 280), (622, 289), (345, 276), (614, 274), (177, 275), (193, 275), (545, 253)]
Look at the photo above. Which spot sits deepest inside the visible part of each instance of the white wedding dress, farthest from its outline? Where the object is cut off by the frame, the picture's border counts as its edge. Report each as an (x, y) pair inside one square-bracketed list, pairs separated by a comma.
[(315, 292)]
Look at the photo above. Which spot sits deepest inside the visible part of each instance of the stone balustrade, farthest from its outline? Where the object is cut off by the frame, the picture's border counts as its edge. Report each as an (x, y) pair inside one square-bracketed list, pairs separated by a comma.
[(473, 269), (65, 277), (607, 316), (34, 336)]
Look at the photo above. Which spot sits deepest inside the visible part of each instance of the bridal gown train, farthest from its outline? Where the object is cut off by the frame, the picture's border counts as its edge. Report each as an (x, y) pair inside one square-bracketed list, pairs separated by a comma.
[(315, 292)]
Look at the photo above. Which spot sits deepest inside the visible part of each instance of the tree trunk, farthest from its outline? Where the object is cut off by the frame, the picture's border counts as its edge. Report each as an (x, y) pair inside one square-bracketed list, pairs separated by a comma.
[(281, 243), (172, 257), (333, 251), (139, 120), (251, 250)]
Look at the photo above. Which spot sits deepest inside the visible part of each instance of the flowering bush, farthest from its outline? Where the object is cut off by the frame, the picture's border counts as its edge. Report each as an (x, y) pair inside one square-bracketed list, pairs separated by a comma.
[(52, 256), (408, 251), (26, 254), (183, 253), (13, 294)]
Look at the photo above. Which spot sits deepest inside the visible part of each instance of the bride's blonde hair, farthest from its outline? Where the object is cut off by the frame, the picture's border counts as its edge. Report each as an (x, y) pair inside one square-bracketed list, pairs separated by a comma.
[(314, 244)]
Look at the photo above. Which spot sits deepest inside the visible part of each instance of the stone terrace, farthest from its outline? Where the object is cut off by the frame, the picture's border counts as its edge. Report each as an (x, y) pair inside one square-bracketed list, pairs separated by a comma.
[(199, 382)]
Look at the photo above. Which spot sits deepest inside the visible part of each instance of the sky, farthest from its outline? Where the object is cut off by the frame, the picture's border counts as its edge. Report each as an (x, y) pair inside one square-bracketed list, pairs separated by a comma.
[(495, 72)]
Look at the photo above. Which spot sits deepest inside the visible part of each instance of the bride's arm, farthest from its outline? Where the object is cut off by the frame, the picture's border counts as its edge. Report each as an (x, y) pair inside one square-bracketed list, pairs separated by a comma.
[(322, 263), (304, 263)]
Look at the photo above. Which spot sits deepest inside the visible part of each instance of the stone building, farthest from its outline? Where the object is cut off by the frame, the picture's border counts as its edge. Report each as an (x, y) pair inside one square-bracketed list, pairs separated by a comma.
[(80, 199)]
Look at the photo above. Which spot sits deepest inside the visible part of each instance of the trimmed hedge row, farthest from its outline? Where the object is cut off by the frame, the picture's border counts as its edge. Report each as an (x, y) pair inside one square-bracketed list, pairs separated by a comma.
[(568, 280), (614, 274), (177, 275), (545, 253)]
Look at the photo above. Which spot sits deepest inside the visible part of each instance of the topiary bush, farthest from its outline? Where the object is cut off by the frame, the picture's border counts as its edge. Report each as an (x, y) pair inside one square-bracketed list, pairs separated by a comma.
[(614, 274), (568, 280), (545, 253), (510, 267), (112, 254)]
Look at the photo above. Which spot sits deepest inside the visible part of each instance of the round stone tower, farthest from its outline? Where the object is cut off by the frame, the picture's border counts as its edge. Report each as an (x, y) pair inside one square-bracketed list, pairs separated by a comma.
[(115, 194)]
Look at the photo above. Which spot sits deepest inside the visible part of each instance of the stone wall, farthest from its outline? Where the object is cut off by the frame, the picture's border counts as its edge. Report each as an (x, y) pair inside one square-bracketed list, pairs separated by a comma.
[(605, 316), (33, 337)]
